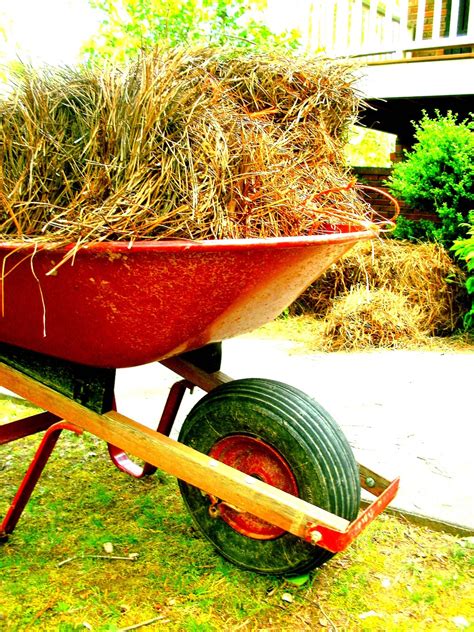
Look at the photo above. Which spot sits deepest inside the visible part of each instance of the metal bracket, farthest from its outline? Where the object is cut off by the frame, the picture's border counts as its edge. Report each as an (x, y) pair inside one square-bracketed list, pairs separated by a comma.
[(90, 386), (120, 458), (334, 540)]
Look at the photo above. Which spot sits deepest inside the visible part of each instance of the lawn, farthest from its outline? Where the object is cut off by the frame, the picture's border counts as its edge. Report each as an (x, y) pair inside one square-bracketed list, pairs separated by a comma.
[(97, 550)]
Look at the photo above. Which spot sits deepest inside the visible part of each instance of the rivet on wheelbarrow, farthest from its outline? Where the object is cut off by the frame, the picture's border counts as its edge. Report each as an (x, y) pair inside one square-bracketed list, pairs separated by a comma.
[(369, 481), (314, 535), (214, 511)]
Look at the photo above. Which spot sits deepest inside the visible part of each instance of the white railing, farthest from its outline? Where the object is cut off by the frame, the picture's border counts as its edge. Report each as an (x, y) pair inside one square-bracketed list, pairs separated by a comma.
[(391, 27)]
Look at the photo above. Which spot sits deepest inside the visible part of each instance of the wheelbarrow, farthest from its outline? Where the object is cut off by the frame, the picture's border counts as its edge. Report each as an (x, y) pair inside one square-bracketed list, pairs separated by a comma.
[(265, 472)]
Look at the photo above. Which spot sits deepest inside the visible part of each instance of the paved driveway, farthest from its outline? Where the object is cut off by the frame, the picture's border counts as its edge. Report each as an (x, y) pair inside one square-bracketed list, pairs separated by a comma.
[(404, 413)]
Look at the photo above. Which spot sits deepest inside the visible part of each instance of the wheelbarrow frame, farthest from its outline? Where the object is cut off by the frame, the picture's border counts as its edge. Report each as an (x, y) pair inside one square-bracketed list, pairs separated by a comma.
[(158, 450)]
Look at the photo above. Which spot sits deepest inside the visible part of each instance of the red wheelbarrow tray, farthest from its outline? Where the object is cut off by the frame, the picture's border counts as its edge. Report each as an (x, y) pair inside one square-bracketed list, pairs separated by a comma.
[(113, 304)]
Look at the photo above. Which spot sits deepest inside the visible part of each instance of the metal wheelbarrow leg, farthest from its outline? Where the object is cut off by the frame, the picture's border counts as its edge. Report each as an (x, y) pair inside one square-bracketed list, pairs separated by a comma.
[(32, 476)]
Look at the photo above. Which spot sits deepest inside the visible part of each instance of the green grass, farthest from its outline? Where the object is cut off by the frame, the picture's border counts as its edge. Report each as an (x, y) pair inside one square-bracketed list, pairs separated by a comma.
[(12, 407), (396, 576)]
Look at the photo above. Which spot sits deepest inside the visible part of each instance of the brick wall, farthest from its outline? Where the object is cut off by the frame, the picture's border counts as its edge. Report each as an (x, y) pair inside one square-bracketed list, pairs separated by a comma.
[(428, 27), (375, 177), (429, 13)]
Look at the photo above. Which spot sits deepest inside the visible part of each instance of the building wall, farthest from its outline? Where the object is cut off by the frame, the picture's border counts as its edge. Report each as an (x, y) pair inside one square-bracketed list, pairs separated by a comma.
[(375, 177), (428, 26), (429, 13)]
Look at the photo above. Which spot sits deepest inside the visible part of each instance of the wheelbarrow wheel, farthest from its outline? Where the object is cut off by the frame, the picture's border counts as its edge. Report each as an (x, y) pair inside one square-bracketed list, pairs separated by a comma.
[(278, 434)]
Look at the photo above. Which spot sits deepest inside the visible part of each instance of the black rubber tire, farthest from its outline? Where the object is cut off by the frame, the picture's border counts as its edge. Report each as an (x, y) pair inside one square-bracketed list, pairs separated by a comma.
[(310, 441)]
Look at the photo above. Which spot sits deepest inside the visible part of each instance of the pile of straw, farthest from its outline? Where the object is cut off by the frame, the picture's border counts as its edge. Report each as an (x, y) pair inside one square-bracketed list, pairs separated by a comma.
[(362, 319), (422, 277), (190, 144)]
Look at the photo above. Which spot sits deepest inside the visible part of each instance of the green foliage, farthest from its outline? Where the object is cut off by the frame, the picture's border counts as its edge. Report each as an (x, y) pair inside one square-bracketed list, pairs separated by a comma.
[(419, 230), (130, 26), (464, 249), (438, 174), (369, 147)]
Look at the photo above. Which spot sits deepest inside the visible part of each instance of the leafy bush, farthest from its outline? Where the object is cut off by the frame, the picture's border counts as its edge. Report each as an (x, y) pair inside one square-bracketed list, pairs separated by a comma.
[(415, 230), (438, 174), (464, 249)]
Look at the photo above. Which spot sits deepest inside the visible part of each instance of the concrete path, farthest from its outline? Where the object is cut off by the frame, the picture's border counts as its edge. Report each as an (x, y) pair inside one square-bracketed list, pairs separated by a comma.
[(404, 413)]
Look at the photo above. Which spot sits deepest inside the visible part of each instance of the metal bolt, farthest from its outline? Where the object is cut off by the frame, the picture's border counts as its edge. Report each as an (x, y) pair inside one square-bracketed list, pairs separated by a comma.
[(369, 481), (213, 511)]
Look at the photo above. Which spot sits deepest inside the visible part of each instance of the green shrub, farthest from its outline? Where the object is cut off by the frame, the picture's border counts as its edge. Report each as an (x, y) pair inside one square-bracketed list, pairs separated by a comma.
[(464, 249), (415, 230), (437, 175)]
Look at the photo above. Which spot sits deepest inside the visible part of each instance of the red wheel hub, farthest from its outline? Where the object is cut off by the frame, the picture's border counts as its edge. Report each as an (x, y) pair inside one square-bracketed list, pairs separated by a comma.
[(256, 458)]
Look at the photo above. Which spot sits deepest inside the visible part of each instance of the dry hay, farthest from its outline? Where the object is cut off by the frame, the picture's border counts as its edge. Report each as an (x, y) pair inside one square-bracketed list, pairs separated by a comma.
[(182, 143), (362, 319), (423, 275)]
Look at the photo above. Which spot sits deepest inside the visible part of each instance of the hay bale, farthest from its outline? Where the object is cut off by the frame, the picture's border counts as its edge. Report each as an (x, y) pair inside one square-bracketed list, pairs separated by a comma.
[(361, 319), (181, 143), (424, 275)]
